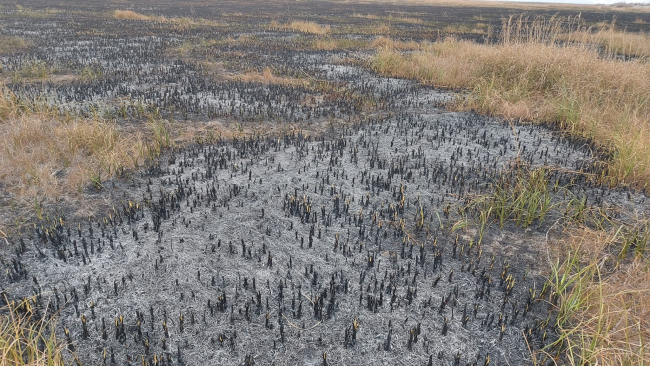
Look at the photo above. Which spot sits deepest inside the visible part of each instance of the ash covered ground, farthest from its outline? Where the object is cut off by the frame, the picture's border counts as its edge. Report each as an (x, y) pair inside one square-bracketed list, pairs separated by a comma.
[(283, 249), (329, 245)]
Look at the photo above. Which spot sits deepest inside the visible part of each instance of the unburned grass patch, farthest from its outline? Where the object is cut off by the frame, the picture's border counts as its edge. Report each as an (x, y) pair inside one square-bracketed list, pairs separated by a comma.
[(26, 339), (267, 76), (636, 45), (13, 44), (46, 156), (602, 301), (131, 15), (569, 87)]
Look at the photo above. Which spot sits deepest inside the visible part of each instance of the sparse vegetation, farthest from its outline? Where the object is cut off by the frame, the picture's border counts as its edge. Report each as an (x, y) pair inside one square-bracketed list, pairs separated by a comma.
[(599, 280), (27, 340), (600, 294)]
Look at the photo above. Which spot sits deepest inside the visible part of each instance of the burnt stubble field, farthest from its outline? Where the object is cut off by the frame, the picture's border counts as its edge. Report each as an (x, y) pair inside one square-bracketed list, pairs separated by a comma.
[(322, 222)]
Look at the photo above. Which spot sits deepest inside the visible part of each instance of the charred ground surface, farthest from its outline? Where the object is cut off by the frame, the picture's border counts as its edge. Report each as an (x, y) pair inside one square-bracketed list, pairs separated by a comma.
[(329, 244), (287, 248)]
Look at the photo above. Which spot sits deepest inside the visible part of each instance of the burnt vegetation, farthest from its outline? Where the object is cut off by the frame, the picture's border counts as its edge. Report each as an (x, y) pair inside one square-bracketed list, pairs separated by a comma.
[(336, 232)]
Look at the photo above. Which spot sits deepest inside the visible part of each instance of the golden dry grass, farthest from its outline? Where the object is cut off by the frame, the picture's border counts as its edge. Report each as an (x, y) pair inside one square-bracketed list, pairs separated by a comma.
[(267, 77), (131, 15), (571, 87), (614, 42), (310, 27), (610, 315), (382, 29), (181, 23), (27, 341), (12, 44), (45, 157), (303, 27)]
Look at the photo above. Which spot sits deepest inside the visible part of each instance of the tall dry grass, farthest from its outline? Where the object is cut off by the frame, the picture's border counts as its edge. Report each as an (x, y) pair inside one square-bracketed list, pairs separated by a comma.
[(26, 340), (608, 310), (532, 78), (613, 42), (45, 156)]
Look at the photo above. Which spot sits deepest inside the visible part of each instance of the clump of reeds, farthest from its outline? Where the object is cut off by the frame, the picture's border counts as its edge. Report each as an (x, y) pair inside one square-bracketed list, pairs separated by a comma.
[(303, 26), (25, 340)]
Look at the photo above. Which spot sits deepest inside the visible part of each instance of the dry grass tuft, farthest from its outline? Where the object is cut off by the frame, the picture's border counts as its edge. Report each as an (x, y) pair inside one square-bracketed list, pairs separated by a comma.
[(303, 26), (267, 77), (131, 15), (12, 44), (608, 302), (310, 27), (181, 24), (46, 157), (25, 340)]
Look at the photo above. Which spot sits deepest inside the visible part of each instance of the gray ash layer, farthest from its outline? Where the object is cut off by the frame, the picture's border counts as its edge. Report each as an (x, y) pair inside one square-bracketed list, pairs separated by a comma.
[(272, 247)]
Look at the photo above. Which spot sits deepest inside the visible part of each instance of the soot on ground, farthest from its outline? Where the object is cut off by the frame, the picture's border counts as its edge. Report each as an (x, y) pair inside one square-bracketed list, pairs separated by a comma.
[(309, 250), (288, 248)]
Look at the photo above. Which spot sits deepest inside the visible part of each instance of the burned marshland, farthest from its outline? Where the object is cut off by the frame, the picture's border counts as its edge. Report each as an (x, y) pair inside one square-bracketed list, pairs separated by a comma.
[(318, 213)]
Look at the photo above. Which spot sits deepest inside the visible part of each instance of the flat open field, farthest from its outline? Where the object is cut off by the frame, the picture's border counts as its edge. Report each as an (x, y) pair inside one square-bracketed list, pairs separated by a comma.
[(227, 183)]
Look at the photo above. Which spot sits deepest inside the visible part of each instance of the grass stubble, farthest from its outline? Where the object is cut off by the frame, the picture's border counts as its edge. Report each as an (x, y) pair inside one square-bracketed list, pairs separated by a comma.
[(599, 271), (593, 83)]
